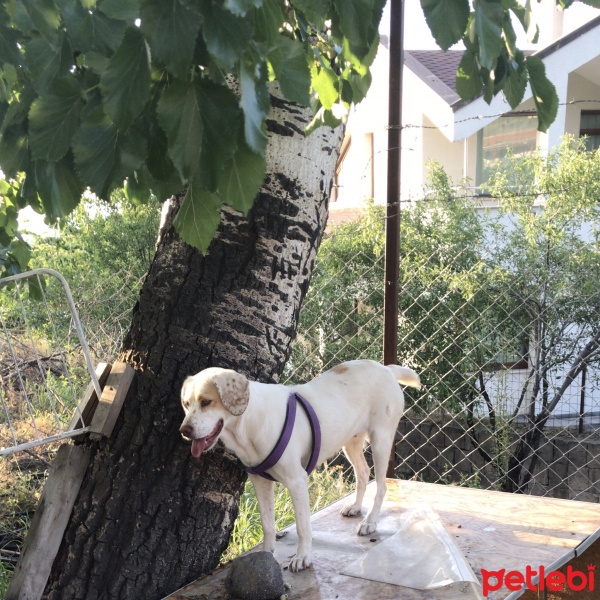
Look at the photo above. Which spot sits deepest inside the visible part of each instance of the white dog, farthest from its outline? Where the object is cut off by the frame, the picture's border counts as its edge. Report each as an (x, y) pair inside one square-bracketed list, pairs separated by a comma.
[(351, 401)]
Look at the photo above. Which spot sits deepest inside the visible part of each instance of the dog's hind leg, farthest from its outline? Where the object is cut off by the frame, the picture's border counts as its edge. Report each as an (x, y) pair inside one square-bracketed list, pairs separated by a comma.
[(264, 489), (381, 445), (354, 452)]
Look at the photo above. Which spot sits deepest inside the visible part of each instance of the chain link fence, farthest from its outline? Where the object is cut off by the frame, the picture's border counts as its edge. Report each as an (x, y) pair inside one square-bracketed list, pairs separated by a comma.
[(501, 321)]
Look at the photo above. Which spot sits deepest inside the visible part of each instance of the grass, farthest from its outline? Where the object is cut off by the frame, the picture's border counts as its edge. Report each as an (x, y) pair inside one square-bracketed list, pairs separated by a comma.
[(21, 484), (325, 486), (21, 480)]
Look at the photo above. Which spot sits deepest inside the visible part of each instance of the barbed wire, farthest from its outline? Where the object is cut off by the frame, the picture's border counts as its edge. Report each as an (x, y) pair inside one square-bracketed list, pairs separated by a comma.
[(508, 113)]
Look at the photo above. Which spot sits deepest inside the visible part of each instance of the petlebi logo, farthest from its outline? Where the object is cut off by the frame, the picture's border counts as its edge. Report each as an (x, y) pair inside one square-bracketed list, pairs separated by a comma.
[(553, 581)]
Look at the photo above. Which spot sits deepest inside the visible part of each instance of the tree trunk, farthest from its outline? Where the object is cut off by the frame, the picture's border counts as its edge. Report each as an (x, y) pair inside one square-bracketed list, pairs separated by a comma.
[(149, 518)]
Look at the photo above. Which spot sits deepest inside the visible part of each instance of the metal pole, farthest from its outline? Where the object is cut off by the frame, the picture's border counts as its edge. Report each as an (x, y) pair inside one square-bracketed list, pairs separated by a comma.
[(582, 397), (392, 228)]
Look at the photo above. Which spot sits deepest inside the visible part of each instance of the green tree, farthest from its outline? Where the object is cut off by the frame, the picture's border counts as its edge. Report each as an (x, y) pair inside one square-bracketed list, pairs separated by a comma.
[(167, 95), (548, 259), (480, 293)]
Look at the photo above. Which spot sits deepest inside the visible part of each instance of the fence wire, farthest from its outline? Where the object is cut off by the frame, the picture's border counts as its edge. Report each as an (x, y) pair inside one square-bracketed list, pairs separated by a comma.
[(46, 362), (504, 334)]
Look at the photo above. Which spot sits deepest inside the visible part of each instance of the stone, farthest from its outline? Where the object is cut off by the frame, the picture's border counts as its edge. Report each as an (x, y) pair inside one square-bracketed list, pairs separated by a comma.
[(255, 576)]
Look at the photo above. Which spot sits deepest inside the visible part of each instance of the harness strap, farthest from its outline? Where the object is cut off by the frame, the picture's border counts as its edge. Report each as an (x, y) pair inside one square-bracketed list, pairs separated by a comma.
[(285, 436)]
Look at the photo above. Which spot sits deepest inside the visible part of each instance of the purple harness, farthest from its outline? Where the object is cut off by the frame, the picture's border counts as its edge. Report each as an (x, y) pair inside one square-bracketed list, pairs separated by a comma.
[(286, 434)]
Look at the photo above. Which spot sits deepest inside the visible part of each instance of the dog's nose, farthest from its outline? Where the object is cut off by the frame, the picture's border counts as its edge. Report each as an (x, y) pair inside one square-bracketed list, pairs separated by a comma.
[(186, 431)]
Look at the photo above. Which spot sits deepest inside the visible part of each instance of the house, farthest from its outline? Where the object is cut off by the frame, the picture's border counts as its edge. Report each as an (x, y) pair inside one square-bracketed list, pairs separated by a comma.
[(468, 138)]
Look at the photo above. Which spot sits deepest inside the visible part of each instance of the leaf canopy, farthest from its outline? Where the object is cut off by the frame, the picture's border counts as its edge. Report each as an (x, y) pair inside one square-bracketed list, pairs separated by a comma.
[(166, 95)]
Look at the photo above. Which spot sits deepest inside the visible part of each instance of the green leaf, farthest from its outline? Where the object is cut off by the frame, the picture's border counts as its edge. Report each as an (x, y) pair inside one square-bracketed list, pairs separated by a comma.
[(92, 31), (36, 286), (198, 217), (292, 71), (222, 121), (14, 150), (104, 156), (255, 103), (173, 29), (360, 62), (322, 118), (126, 81), (447, 20), (59, 188), (315, 11), (360, 85), (122, 10), (489, 18), (516, 80), (242, 177), (9, 51), (544, 93), (468, 79), (355, 21), (40, 16), (47, 62), (325, 83), (53, 119), (241, 7), (137, 188), (178, 113), (21, 252), (267, 21), (226, 35)]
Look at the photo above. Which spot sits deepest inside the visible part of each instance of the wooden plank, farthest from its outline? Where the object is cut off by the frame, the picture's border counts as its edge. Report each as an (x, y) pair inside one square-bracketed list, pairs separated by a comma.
[(88, 404), (49, 523), (493, 530), (113, 396)]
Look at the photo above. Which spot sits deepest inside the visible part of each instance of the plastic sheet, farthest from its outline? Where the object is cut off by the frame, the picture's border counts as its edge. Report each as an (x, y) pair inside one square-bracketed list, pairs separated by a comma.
[(421, 555)]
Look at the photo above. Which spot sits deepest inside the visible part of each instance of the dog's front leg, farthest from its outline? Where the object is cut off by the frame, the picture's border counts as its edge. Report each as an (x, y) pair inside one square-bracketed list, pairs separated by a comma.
[(299, 492), (264, 489)]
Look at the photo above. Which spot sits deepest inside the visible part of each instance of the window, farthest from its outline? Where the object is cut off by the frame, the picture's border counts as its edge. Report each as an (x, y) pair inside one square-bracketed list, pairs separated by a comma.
[(590, 127), (517, 133), (338, 175)]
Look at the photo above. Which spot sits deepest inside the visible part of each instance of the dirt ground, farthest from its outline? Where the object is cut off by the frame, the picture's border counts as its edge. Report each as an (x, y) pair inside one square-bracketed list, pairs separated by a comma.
[(590, 557)]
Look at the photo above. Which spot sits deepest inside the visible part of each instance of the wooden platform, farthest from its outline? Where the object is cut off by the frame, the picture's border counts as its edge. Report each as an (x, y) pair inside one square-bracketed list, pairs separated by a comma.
[(493, 530)]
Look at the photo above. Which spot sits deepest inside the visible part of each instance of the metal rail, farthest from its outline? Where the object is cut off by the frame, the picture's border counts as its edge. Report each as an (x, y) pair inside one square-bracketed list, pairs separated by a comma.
[(17, 279)]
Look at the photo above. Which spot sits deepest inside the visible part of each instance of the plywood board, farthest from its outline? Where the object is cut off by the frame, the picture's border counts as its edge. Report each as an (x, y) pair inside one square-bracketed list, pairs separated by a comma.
[(493, 530), (88, 404), (113, 396), (49, 522)]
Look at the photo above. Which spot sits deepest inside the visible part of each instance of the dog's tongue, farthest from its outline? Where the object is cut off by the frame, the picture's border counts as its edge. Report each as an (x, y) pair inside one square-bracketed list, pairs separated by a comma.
[(198, 447)]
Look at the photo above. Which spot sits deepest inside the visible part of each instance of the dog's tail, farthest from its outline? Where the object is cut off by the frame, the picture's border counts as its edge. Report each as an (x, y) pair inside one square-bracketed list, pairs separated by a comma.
[(405, 376)]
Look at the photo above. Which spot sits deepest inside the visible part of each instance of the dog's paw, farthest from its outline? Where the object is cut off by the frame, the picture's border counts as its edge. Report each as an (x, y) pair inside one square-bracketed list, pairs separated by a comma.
[(350, 510), (268, 546), (366, 528), (300, 562)]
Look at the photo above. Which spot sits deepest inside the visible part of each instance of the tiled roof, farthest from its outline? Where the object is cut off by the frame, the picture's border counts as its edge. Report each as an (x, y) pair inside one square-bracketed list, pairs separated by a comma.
[(443, 65)]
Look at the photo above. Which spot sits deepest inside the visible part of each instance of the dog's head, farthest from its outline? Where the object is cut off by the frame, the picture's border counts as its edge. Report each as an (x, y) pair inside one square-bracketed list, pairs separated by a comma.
[(209, 399)]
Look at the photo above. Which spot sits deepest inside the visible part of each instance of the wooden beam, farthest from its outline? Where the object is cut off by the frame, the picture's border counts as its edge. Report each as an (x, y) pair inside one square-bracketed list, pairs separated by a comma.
[(113, 396), (49, 523), (88, 404)]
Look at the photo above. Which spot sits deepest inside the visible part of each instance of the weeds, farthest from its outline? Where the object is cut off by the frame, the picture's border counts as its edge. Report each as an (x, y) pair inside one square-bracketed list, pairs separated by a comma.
[(325, 486)]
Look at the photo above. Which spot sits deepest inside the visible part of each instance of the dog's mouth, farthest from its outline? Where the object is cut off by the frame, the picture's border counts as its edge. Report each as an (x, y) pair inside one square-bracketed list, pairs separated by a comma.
[(199, 445)]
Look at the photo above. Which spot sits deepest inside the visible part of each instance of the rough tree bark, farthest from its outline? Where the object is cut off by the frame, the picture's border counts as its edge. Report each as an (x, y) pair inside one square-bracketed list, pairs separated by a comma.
[(149, 518)]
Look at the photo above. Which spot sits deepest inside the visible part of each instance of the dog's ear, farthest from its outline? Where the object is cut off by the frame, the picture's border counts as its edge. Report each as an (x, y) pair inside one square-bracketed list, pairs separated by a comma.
[(233, 389)]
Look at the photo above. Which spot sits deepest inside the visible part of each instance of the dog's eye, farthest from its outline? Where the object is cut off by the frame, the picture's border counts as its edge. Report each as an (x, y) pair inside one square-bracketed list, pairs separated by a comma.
[(205, 403), (185, 404)]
